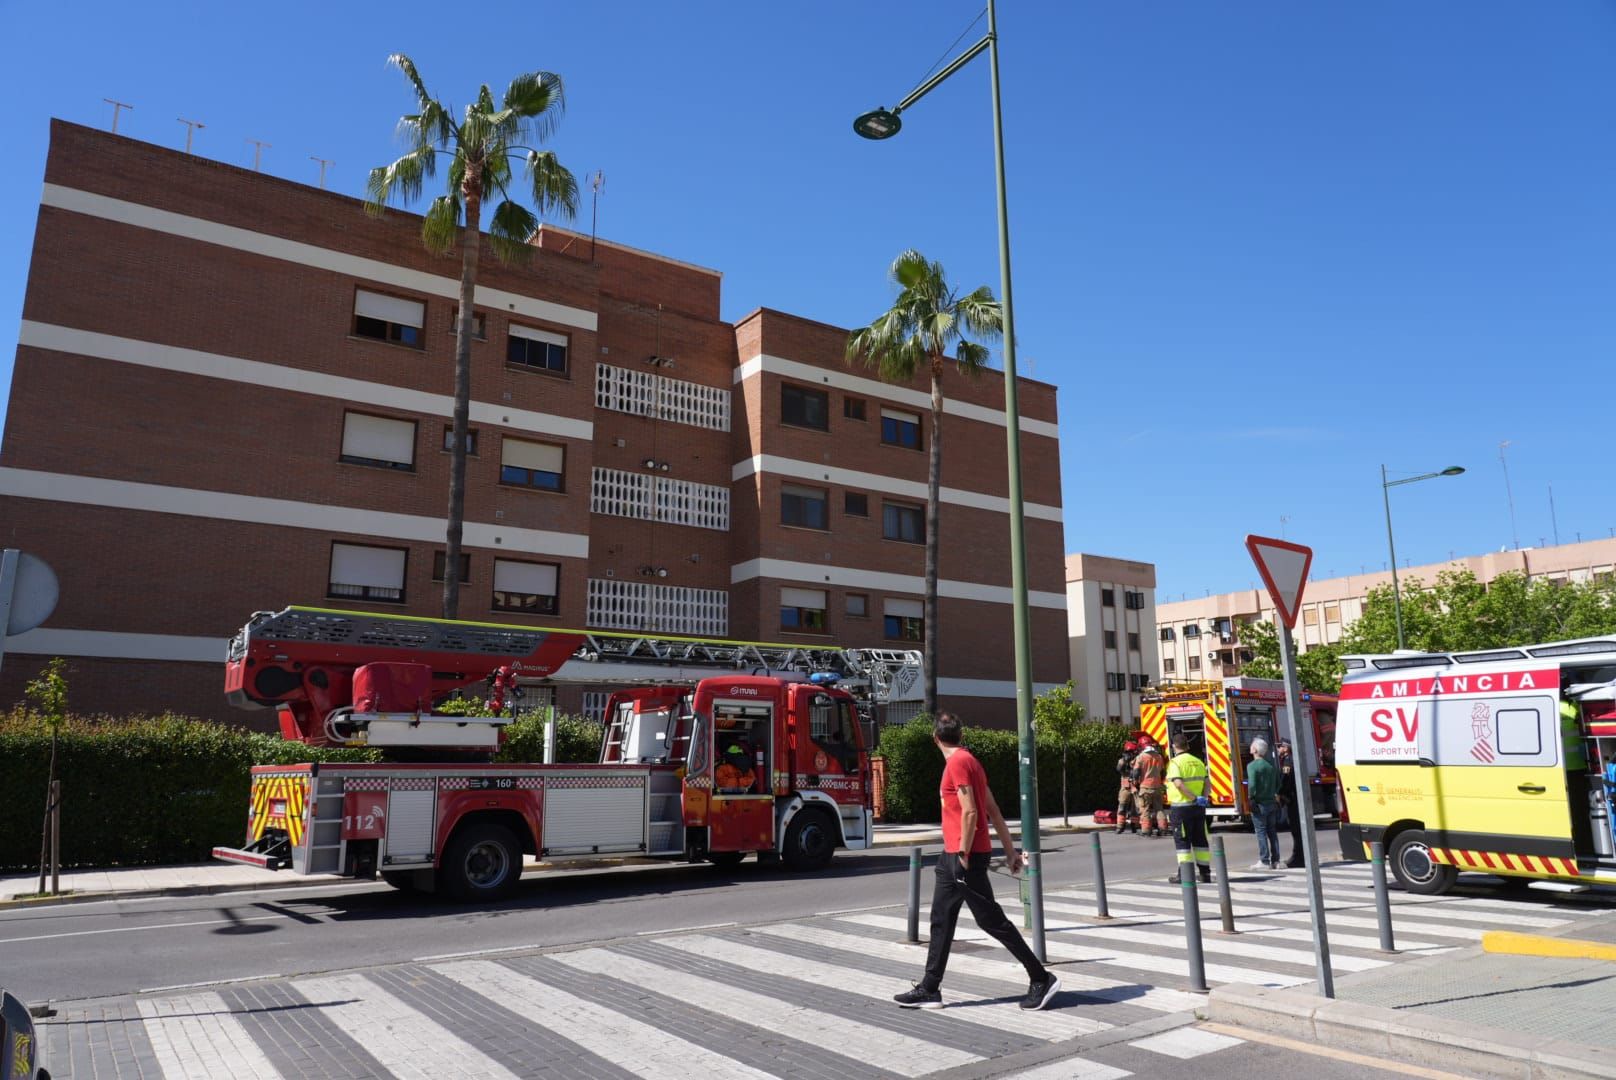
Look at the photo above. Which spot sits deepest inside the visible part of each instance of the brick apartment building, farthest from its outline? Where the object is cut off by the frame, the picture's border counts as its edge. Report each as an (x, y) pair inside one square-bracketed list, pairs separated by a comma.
[(232, 393)]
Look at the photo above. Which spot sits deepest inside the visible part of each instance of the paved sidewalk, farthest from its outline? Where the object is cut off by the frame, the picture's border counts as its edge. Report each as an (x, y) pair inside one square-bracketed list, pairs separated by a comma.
[(1485, 1014), (216, 877)]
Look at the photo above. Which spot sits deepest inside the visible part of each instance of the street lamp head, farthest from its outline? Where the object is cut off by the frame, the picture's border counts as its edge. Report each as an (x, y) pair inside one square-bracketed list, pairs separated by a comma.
[(879, 123), (1453, 470)]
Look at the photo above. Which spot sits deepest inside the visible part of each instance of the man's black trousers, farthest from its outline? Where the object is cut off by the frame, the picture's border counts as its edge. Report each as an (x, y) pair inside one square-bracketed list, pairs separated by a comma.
[(971, 886)]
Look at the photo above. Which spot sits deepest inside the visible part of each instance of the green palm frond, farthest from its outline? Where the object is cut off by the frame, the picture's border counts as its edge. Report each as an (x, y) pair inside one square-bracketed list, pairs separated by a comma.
[(510, 231), (536, 101), (402, 180), (982, 315), (971, 358), (440, 227), (555, 189), (926, 321)]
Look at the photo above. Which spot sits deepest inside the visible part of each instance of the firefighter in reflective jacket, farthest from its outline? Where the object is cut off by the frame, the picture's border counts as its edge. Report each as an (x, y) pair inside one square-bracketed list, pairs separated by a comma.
[(735, 769), (1186, 798), (1151, 772)]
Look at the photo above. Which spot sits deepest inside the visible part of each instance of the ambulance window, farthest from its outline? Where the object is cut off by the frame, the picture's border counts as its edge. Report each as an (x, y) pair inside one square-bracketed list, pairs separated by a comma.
[(1519, 732)]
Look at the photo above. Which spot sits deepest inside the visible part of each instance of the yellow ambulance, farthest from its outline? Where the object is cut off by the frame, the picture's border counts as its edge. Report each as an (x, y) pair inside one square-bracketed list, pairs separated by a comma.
[(1490, 761)]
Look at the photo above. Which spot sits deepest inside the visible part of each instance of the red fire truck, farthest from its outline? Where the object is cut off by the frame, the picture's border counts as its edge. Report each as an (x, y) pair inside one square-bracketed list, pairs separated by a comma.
[(716, 749)]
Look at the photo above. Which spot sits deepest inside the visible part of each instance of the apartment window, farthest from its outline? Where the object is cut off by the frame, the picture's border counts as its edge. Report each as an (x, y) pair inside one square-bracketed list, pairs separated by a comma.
[(1195, 663), (1133, 642), (1166, 633), (1332, 613), (905, 620), (378, 441), (360, 572), (1310, 616), (479, 324), (1108, 598), (1116, 680), (1110, 639), (1192, 630), (531, 464), (1168, 664), (526, 587), (802, 407), (858, 605), (536, 350), (388, 318), (802, 610), (1114, 718), (471, 440), (855, 504), (440, 557), (899, 428), (1134, 601), (804, 507), (906, 523), (853, 408)]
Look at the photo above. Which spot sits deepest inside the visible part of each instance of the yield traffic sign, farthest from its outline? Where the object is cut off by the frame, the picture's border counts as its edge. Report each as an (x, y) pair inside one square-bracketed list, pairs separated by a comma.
[(1283, 566)]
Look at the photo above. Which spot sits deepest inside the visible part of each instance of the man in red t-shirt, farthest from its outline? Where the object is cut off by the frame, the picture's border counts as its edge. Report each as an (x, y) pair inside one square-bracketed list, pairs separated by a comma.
[(962, 874)]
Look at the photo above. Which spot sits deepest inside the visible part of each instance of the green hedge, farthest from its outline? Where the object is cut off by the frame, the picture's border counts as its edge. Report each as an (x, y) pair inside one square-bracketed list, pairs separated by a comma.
[(914, 769), (577, 739)]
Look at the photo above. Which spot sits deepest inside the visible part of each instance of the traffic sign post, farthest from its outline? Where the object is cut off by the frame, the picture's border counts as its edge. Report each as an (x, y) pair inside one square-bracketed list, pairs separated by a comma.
[(1284, 566)]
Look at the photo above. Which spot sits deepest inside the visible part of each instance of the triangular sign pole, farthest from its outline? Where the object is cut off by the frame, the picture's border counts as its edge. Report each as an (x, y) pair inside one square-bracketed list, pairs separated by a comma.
[(1283, 566)]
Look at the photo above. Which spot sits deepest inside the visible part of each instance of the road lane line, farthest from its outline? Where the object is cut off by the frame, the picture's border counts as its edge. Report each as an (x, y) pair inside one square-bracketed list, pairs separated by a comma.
[(686, 929), (133, 929), (195, 1037), (207, 982)]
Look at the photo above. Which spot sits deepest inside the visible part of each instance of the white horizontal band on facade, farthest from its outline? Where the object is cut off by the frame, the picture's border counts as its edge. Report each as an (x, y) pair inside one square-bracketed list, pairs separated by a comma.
[(818, 376), (50, 641), (65, 339), (890, 485), (293, 251), (227, 506), (987, 688), (852, 577)]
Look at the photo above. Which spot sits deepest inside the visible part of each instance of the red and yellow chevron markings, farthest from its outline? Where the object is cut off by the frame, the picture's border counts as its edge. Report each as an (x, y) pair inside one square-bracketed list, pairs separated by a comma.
[(1153, 721), (278, 802), (1217, 758), (1501, 862)]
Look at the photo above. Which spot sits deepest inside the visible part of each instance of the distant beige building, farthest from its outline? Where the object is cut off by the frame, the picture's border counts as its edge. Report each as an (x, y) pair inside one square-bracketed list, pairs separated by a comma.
[(1200, 637), (1111, 623)]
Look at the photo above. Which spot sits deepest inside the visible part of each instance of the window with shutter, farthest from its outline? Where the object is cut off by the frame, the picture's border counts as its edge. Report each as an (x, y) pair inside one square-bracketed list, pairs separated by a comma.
[(526, 587), (360, 572), (532, 464), (802, 609), (899, 428), (904, 620), (378, 441), (388, 318), (536, 350)]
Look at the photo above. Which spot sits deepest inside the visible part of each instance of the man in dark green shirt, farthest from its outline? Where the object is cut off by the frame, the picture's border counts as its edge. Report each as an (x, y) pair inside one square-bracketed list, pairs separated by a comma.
[(1262, 789)]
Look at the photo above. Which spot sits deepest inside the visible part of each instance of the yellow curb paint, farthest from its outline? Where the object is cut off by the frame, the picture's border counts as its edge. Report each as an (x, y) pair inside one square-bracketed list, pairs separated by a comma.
[(1507, 941)]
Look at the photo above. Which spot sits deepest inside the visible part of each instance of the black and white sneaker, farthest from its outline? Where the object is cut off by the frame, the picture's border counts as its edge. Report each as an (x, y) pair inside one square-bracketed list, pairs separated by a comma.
[(921, 998), (1041, 992)]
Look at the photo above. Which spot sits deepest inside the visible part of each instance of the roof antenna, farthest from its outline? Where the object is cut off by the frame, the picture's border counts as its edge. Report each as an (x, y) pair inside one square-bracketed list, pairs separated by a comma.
[(190, 129), (117, 107), (1514, 533), (323, 163), (1552, 519), (597, 184), (258, 153)]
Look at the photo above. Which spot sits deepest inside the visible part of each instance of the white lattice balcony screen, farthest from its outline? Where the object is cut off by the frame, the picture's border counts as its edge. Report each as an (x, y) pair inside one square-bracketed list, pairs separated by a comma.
[(643, 393), (657, 609), (659, 498)]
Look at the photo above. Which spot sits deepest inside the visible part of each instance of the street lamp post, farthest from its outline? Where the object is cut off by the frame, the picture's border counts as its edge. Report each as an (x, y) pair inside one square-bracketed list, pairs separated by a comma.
[(1386, 494), (883, 124)]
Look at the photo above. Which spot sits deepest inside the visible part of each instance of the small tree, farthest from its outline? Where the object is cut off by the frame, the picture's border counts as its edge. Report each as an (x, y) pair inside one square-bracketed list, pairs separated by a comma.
[(1057, 713), (47, 699)]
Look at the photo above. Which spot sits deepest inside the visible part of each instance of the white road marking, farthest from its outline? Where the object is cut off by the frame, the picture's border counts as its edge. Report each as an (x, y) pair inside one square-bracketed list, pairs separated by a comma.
[(195, 1037), (1214, 920), (1333, 917), (1186, 1042), (685, 929), (133, 929), (401, 1038), (626, 1042), (473, 953), (1069, 1069), (1154, 997), (999, 1015), (866, 1043), (1212, 943), (1402, 907), (207, 982), (1134, 961)]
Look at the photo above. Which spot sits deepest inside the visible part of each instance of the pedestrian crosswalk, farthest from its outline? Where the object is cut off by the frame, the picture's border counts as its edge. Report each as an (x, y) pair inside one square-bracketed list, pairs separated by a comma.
[(809, 996)]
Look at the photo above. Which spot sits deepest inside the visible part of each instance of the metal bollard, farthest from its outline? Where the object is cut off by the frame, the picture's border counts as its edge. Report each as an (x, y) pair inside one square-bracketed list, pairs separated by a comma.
[(913, 936), (1192, 927), (1383, 902), (1102, 910), (1220, 866)]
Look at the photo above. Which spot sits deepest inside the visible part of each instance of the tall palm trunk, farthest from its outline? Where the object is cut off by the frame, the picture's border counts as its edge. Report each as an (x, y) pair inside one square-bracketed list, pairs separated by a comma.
[(470, 242), (934, 484)]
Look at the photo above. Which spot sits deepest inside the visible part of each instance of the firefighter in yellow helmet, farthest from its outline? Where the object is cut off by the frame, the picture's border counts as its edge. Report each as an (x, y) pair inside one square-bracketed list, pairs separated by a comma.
[(734, 773)]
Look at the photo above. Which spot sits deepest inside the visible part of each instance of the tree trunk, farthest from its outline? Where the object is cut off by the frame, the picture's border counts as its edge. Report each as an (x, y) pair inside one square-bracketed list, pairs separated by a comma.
[(470, 242), (934, 483)]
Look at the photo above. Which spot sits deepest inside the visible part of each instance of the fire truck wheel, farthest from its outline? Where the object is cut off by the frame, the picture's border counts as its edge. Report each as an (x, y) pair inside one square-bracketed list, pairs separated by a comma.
[(1414, 867), (726, 858), (810, 840), (482, 862)]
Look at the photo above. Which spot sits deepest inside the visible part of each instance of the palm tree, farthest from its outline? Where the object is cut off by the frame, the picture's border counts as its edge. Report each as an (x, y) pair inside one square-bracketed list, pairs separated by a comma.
[(916, 332), (481, 147)]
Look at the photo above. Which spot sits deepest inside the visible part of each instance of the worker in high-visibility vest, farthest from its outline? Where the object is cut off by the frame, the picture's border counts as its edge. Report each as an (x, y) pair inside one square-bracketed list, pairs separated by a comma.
[(1186, 809)]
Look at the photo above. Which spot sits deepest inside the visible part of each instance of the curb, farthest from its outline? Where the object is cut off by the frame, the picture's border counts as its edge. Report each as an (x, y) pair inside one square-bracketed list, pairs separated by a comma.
[(1401, 1035)]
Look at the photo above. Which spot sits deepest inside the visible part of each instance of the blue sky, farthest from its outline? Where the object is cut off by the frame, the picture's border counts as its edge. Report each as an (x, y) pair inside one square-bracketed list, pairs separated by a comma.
[(1261, 247)]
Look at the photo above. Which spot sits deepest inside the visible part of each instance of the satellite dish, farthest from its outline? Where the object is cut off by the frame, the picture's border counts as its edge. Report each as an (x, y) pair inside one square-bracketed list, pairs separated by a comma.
[(33, 594)]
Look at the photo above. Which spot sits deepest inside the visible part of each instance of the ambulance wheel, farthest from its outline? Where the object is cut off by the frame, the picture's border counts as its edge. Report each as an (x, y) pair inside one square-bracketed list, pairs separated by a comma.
[(810, 841), (481, 862), (1414, 867), (726, 858)]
